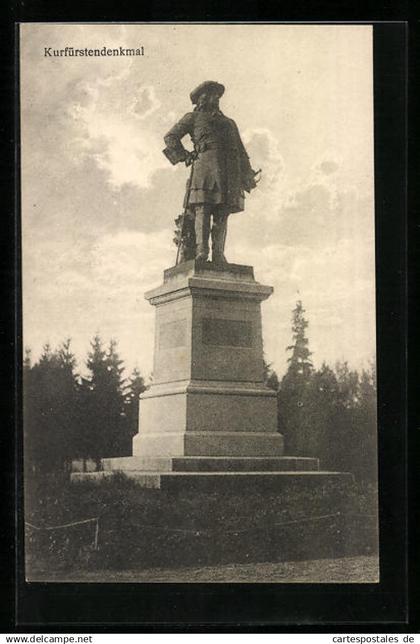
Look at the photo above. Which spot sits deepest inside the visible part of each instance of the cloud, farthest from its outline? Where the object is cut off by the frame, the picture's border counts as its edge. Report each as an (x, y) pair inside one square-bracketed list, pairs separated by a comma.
[(116, 133), (320, 208), (144, 102), (123, 261), (328, 167), (264, 150)]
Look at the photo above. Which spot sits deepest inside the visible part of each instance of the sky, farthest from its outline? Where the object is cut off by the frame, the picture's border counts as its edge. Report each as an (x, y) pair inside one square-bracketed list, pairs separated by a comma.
[(99, 197)]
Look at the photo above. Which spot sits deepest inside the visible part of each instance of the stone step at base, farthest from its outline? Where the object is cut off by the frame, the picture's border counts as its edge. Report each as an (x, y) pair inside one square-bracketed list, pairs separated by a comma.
[(224, 482), (208, 444), (211, 464)]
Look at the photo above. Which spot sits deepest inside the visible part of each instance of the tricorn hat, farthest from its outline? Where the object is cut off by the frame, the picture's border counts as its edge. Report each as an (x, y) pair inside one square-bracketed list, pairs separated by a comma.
[(204, 87)]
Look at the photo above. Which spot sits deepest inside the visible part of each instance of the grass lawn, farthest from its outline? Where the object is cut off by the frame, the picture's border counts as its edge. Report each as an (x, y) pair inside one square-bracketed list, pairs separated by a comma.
[(363, 569), (326, 534)]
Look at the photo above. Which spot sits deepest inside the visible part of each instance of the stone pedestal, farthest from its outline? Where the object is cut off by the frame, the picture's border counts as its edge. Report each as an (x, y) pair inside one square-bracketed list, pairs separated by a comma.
[(209, 423), (208, 397)]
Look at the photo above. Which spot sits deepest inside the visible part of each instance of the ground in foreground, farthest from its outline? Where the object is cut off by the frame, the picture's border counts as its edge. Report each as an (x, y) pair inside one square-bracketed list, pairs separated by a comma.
[(364, 569)]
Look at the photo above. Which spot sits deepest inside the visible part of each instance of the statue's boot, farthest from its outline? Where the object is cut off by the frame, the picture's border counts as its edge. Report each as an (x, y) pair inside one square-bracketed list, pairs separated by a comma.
[(218, 238), (202, 232)]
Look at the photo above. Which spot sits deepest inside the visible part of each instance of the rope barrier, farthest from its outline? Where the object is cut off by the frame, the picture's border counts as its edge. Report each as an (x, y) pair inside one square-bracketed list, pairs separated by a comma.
[(58, 527), (69, 525), (238, 531), (196, 532)]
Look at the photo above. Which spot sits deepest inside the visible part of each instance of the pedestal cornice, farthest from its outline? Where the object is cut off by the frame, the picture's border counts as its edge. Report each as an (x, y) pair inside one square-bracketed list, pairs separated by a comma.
[(230, 281)]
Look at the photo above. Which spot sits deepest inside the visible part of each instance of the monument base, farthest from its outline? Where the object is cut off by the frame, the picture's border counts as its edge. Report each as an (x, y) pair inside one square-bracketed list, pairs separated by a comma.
[(209, 422), (221, 474), (225, 482)]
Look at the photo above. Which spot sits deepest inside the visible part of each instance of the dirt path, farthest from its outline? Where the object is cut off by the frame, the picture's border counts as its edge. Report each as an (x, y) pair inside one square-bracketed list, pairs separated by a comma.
[(347, 569)]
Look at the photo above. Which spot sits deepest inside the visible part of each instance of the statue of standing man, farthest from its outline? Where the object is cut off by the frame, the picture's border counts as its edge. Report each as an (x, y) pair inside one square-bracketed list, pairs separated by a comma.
[(220, 173)]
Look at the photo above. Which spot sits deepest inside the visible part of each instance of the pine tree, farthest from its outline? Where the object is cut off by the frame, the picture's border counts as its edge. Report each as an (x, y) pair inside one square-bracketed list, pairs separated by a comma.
[(366, 466), (300, 365), (42, 448), (66, 357), (96, 363), (348, 383), (115, 367), (117, 426), (27, 360), (91, 405), (103, 402), (46, 356), (292, 396), (323, 413), (353, 437), (30, 424), (67, 401), (50, 404), (135, 387), (270, 377)]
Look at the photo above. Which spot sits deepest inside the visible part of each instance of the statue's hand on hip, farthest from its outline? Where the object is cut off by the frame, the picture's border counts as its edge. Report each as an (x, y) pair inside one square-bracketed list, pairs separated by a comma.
[(190, 157)]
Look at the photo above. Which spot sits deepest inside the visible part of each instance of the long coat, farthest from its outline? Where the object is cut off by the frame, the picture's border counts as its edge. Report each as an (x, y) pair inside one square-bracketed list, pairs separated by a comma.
[(221, 170)]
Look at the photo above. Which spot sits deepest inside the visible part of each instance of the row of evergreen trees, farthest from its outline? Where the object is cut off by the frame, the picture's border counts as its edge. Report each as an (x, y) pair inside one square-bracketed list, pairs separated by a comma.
[(326, 413), (67, 417)]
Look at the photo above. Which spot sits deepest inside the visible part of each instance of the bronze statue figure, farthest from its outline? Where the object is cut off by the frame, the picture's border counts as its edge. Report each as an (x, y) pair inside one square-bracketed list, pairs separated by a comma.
[(220, 173)]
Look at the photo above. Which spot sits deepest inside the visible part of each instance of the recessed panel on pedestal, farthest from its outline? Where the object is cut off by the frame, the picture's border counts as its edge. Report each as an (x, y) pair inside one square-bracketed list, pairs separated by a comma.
[(172, 359), (227, 342)]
